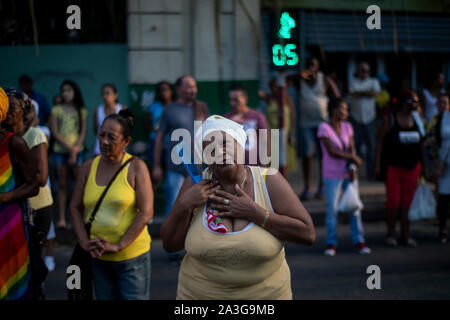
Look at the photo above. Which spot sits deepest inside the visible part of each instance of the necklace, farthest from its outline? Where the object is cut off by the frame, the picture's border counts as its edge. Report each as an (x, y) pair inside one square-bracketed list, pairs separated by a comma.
[(243, 180)]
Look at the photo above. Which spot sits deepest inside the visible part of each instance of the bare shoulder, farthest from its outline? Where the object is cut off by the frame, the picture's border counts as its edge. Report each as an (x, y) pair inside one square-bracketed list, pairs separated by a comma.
[(17, 143), (138, 166), (273, 178)]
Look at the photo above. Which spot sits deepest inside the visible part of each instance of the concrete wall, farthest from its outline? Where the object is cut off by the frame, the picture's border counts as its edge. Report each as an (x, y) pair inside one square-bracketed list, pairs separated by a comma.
[(89, 65), (169, 38), (172, 37)]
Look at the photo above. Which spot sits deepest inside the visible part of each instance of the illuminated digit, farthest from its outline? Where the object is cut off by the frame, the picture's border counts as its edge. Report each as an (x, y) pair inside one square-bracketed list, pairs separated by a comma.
[(292, 57), (278, 56), (286, 24)]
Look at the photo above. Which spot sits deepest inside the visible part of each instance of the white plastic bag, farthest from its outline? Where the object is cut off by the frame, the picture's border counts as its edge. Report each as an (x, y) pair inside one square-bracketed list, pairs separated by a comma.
[(350, 201), (423, 205)]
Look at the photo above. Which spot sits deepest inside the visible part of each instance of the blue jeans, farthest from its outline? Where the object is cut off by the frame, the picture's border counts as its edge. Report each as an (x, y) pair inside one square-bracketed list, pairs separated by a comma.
[(123, 280), (332, 191), (308, 143), (174, 181), (366, 134)]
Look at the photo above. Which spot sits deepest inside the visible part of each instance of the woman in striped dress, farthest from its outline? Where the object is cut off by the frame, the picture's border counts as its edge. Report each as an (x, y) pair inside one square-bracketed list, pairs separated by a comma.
[(15, 167)]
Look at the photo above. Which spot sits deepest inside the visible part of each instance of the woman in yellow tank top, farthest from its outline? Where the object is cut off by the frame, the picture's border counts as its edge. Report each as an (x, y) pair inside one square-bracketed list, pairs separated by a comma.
[(119, 242), (259, 210)]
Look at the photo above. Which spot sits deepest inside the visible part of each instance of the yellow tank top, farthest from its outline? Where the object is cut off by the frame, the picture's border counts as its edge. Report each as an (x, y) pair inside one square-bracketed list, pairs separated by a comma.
[(242, 265), (116, 213)]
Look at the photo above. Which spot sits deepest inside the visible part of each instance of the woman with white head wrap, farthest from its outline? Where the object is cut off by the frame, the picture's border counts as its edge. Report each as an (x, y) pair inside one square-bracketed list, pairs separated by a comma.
[(233, 223)]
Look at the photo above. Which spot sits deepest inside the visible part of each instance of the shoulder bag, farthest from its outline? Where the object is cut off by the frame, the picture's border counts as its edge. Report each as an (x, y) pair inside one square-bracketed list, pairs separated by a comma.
[(82, 258)]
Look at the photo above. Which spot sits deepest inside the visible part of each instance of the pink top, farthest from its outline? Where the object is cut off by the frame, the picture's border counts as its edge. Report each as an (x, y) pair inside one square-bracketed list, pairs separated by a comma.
[(334, 168)]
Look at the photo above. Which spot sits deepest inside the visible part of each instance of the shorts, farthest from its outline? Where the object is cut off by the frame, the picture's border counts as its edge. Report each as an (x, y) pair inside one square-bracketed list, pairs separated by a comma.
[(60, 159), (308, 143)]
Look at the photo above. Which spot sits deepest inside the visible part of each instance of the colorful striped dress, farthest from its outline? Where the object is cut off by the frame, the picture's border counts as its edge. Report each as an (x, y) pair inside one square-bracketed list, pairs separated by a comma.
[(14, 257)]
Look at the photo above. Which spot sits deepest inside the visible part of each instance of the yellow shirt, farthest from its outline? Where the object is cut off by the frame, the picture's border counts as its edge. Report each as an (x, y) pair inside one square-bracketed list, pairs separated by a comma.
[(34, 137), (243, 265), (68, 127), (116, 213)]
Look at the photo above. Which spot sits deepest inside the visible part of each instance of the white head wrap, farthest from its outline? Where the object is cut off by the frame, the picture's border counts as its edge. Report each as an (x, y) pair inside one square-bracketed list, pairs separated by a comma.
[(219, 123)]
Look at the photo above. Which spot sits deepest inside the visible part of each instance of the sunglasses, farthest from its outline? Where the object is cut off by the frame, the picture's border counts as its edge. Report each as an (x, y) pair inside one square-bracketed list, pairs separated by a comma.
[(412, 101)]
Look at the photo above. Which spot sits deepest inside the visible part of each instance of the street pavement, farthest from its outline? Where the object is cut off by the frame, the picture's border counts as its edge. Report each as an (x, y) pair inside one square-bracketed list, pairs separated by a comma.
[(406, 273)]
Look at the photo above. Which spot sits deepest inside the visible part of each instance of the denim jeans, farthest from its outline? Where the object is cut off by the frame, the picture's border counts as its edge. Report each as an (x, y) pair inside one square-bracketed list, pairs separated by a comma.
[(332, 192), (174, 181), (366, 134), (123, 280)]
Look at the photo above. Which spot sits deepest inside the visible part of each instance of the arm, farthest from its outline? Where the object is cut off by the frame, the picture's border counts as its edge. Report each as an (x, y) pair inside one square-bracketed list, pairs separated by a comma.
[(25, 169), (289, 222), (176, 225), (374, 91), (336, 153), (332, 86), (76, 210), (369, 93), (40, 157), (82, 136)]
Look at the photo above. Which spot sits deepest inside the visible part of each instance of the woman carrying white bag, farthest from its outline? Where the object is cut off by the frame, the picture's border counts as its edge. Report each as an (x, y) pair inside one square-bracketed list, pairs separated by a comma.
[(339, 163)]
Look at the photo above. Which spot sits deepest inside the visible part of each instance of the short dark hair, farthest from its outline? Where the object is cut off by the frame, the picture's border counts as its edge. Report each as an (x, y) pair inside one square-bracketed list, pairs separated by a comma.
[(179, 81), (126, 120), (158, 95), (334, 104), (110, 85), (309, 62), (25, 79), (239, 87), (405, 95)]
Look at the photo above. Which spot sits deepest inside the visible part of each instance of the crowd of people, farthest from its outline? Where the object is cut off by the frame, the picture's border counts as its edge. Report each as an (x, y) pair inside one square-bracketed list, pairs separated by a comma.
[(227, 231)]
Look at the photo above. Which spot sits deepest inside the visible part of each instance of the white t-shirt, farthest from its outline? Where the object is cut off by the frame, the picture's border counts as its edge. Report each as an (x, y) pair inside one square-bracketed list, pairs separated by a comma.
[(363, 109)]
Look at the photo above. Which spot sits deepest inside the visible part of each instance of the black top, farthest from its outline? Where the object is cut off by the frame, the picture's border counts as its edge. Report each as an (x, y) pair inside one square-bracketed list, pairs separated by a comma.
[(403, 146)]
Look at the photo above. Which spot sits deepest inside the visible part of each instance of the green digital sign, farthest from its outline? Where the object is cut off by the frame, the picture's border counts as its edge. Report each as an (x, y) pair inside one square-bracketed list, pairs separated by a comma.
[(283, 53)]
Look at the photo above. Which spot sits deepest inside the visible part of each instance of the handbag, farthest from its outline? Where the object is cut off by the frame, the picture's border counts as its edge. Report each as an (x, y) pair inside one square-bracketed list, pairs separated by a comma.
[(82, 258), (437, 167)]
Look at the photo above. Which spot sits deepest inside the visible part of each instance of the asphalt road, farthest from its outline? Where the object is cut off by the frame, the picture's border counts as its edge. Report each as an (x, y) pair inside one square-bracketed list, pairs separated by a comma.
[(406, 273)]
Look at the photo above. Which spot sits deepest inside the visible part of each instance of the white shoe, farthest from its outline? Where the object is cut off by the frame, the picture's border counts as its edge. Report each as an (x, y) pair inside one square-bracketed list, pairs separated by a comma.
[(362, 249), (49, 263), (330, 251)]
